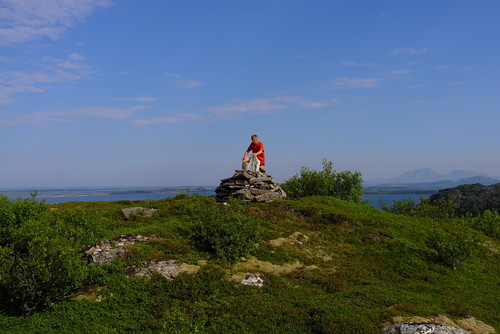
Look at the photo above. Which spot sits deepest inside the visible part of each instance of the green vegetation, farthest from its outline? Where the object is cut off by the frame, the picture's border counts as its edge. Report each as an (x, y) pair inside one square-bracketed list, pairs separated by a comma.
[(354, 269), (345, 185), (228, 232)]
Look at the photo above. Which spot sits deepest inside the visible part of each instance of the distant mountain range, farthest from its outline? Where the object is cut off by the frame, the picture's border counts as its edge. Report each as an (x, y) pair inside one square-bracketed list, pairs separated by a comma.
[(426, 179)]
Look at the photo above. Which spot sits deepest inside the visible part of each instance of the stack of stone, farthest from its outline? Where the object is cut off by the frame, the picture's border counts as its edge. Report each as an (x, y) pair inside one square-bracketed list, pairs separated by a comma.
[(250, 186)]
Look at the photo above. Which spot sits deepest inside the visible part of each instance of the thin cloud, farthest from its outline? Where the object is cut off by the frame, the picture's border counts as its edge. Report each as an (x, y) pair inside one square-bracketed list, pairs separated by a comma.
[(356, 64), (179, 82), (408, 51), (52, 71), (415, 103), (399, 72), (139, 99), (29, 20), (350, 83), (457, 83), (271, 105), (445, 67), (183, 117), (81, 114)]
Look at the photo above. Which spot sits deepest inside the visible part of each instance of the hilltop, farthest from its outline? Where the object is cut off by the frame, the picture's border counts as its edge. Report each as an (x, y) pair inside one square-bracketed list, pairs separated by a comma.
[(324, 266)]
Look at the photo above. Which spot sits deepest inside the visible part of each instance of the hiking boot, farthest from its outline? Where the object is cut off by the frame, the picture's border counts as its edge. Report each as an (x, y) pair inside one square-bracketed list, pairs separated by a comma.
[(262, 169)]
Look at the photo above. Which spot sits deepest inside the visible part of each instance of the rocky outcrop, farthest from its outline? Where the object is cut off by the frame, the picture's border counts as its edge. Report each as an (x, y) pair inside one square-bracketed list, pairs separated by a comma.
[(437, 324), (169, 269), (106, 251), (423, 328), (250, 186), (473, 198)]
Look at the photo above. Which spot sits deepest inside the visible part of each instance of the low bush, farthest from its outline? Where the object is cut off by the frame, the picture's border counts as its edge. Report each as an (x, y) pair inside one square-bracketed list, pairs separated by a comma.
[(345, 185), (441, 210), (488, 222), (40, 254), (225, 230), (451, 248)]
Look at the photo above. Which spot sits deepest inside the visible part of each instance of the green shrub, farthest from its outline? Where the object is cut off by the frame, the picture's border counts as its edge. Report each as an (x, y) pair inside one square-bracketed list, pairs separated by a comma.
[(443, 210), (227, 231), (451, 249), (488, 222), (40, 254), (14, 212), (345, 185)]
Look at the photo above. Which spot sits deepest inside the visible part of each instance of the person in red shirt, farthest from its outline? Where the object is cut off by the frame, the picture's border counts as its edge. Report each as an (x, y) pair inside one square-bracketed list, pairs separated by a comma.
[(257, 149)]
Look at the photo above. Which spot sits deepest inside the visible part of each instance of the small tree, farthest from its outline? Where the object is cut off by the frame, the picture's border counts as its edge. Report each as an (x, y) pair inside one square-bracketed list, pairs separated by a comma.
[(345, 185)]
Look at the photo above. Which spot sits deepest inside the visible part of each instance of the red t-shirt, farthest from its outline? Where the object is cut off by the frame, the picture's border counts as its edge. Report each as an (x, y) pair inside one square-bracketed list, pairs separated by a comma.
[(256, 148)]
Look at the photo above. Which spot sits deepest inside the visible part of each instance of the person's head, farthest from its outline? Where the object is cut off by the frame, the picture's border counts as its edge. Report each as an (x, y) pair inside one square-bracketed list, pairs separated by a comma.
[(255, 139)]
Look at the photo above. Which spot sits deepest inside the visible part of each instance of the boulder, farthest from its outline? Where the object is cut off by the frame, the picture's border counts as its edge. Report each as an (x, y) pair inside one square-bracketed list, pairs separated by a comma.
[(250, 187), (137, 212)]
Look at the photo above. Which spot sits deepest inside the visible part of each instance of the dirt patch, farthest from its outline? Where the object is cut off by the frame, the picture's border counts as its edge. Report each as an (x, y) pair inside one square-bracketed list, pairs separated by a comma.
[(253, 264), (94, 294), (293, 239)]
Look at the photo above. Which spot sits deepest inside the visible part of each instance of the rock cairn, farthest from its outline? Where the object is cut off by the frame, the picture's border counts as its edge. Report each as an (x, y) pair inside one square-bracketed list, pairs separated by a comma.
[(250, 186)]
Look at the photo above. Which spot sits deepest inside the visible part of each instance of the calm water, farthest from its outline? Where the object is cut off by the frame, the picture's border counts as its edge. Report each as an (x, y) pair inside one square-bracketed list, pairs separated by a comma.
[(62, 195), (374, 199)]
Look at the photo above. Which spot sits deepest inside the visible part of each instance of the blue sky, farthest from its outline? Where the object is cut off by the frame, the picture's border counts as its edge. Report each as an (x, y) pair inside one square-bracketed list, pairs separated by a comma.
[(159, 93)]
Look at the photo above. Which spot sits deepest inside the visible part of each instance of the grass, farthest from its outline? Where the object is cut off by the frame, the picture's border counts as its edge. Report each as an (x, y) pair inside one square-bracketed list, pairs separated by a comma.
[(360, 268)]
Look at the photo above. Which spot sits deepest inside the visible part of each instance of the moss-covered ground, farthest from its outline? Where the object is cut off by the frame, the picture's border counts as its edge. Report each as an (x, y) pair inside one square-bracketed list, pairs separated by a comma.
[(354, 269)]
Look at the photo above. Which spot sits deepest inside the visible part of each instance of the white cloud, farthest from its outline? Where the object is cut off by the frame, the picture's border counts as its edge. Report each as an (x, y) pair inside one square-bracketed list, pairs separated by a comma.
[(167, 120), (347, 83), (408, 51), (179, 82), (28, 20)]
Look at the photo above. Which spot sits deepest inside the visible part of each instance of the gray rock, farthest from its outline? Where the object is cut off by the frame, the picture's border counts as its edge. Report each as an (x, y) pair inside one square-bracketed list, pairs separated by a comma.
[(423, 328), (253, 280), (106, 251), (164, 268), (137, 212)]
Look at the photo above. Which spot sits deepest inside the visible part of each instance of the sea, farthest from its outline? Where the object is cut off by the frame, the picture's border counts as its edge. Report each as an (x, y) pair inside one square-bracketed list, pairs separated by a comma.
[(112, 194)]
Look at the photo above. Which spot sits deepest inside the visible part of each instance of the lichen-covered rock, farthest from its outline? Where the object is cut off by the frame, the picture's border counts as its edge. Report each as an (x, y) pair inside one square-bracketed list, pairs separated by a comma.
[(249, 279), (250, 187), (423, 328), (167, 268), (106, 251), (137, 212), (438, 324)]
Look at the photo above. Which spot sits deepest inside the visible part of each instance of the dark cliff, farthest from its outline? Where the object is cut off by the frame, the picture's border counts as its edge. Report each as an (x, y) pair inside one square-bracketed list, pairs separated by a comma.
[(473, 198)]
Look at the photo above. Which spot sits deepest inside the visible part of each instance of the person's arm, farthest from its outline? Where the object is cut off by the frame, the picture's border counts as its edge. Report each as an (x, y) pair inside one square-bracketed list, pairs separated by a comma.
[(246, 152)]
